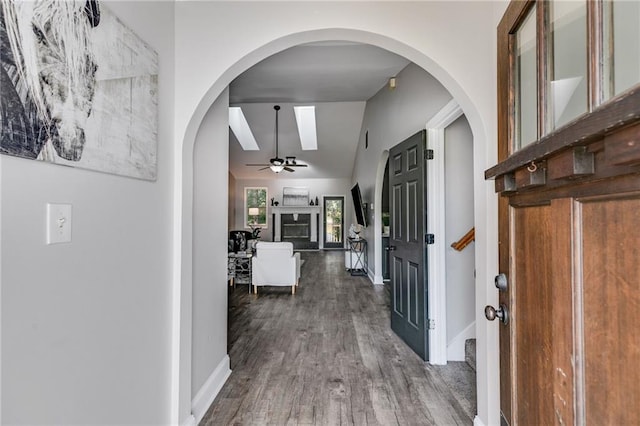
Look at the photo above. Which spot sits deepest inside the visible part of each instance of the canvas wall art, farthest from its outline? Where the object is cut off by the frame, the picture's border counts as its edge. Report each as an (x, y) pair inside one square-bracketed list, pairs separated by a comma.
[(77, 88)]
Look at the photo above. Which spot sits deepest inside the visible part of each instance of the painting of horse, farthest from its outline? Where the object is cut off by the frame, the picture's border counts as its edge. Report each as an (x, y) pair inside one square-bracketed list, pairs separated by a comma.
[(77, 88)]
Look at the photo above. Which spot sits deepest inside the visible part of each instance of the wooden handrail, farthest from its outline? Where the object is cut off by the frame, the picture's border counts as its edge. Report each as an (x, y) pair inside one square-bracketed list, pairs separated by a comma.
[(465, 241)]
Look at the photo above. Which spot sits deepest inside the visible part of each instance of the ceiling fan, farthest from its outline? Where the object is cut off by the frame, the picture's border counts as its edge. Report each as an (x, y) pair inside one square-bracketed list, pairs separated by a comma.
[(277, 164)]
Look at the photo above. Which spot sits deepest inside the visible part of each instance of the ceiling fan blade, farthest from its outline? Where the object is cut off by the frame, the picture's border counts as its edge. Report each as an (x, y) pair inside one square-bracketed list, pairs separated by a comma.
[(289, 169), (264, 168), (297, 165)]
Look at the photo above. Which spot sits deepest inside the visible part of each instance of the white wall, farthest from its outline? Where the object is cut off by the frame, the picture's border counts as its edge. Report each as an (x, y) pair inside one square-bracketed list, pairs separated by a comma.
[(317, 188), (210, 244), (454, 41), (86, 325), (232, 202), (460, 265), (390, 117)]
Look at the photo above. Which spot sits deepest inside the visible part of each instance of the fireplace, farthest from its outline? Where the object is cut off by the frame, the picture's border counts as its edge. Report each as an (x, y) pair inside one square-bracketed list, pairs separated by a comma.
[(295, 227), (296, 224)]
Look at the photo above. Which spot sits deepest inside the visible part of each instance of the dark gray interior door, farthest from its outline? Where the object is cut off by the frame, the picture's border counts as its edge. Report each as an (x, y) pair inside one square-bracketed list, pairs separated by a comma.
[(407, 260)]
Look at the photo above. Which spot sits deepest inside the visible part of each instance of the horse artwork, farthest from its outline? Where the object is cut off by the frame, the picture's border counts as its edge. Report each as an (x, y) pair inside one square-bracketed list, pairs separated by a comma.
[(77, 88)]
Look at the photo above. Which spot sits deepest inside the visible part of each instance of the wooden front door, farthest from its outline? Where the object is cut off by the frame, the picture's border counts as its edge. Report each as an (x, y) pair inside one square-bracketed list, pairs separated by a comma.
[(569, 228), (407, 171)]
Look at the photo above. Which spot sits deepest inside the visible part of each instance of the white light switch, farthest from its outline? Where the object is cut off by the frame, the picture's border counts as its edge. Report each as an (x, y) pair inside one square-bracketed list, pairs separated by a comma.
[(58, 223)]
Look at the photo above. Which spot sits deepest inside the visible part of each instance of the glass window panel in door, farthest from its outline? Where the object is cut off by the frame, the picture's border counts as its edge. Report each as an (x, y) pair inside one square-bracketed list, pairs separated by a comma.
[(568, 87), (526, 85), (333, 222), (621, 42)]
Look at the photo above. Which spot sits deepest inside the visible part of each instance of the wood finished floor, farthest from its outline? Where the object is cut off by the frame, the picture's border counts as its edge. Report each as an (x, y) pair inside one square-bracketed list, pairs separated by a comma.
[(327, 356)]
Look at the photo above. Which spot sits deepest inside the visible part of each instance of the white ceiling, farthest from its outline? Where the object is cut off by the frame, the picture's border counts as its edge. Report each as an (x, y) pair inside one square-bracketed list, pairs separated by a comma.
[(337, 77)]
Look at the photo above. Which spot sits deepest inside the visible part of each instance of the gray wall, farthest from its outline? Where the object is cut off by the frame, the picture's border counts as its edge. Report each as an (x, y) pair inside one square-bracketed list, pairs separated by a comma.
[(391, 116), (461, 293), (209, 344), (85, 325), (232, 202)]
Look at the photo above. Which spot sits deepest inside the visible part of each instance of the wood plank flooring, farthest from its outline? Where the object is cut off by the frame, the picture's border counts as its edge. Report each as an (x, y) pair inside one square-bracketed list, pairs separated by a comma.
[(327, 356)]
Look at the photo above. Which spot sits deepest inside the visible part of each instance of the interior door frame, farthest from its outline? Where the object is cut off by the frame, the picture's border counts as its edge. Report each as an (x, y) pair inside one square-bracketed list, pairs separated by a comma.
[(436, 224)]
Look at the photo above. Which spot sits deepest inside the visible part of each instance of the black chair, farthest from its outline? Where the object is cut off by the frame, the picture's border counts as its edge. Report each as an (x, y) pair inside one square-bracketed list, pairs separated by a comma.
[(239, 240)]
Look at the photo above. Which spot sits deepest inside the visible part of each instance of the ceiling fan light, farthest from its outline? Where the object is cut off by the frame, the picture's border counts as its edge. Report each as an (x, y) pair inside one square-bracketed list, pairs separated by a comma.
[(276, 169)]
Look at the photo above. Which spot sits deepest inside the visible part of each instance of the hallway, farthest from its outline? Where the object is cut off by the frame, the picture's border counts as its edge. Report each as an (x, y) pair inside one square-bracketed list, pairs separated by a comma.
[(327, 356)]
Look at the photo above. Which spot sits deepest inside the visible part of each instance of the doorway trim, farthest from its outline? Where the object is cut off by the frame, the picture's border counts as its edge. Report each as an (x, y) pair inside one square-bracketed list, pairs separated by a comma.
[(377, 218), (436, 221)]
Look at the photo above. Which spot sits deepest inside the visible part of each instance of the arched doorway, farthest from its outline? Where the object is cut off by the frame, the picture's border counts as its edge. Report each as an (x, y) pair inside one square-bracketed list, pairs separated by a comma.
[(184, 183)]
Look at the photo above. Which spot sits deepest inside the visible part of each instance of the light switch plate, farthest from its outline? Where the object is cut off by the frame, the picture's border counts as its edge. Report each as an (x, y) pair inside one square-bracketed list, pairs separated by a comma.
[(58, 223)]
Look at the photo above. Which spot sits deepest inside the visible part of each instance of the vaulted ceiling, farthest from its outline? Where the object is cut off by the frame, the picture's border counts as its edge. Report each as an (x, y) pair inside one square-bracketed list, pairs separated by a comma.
[(337, 77)]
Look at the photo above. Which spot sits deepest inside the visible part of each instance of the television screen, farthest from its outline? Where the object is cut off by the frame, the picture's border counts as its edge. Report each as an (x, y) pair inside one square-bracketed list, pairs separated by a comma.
[(358, 206)]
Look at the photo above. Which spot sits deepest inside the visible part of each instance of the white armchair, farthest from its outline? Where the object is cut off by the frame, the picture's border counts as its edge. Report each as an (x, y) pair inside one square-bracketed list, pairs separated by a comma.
[(275, 264)]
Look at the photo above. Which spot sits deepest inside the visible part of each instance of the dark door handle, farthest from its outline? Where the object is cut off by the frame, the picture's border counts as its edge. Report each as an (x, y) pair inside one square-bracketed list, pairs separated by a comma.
[(391, 248)]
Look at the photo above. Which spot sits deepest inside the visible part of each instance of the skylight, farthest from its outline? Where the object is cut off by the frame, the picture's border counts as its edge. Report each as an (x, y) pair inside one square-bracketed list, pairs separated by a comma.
[(240, 128), (306, 119)]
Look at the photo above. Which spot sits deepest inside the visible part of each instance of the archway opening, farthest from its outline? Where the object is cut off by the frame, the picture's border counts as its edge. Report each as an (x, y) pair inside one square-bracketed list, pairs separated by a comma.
[(185, 174)]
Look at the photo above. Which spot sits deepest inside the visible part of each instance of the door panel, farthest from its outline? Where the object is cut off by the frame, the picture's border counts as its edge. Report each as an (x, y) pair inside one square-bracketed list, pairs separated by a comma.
[(611, 296), (569, 234), (407, 182), (397, 282), (531, 284)]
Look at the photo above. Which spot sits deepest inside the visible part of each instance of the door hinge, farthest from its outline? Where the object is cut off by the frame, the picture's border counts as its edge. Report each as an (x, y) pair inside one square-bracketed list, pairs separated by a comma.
[(432, 324), (429, 238), (428, 154)]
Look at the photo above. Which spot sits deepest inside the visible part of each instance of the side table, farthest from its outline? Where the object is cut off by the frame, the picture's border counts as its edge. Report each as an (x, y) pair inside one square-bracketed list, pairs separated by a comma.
[(356, 256), (239, 268)]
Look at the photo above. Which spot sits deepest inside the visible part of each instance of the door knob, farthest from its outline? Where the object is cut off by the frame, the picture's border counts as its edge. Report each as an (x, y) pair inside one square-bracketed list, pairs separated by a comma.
[(502, 313), (501, 282), (391, 248)]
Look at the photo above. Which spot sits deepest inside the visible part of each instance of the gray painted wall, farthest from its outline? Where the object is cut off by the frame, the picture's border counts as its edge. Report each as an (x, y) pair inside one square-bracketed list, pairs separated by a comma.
[(391, 116), (85, 325), (210, 159), (461, 293)]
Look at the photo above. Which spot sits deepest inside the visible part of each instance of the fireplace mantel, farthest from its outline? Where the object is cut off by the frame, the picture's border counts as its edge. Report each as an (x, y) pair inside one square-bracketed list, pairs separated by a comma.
[(314, 211)]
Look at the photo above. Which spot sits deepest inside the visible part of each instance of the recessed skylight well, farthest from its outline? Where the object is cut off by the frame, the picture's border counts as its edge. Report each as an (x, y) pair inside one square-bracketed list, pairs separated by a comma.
[(241, 129), (306, 120)]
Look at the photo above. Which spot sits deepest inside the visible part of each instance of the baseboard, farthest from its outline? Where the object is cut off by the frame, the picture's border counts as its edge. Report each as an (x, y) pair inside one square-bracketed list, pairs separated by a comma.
[(208, 392), (455, 348), (189, 421), (477, 422), (371, 276), (378, 280)]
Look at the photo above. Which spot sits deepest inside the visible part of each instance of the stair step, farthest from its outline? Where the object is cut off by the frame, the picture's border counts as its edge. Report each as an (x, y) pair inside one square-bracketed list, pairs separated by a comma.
[(470, 353)]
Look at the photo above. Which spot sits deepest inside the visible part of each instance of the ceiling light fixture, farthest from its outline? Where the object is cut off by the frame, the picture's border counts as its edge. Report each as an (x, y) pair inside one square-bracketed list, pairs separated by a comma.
[(241, 129), (306, 120), (277, 163)]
